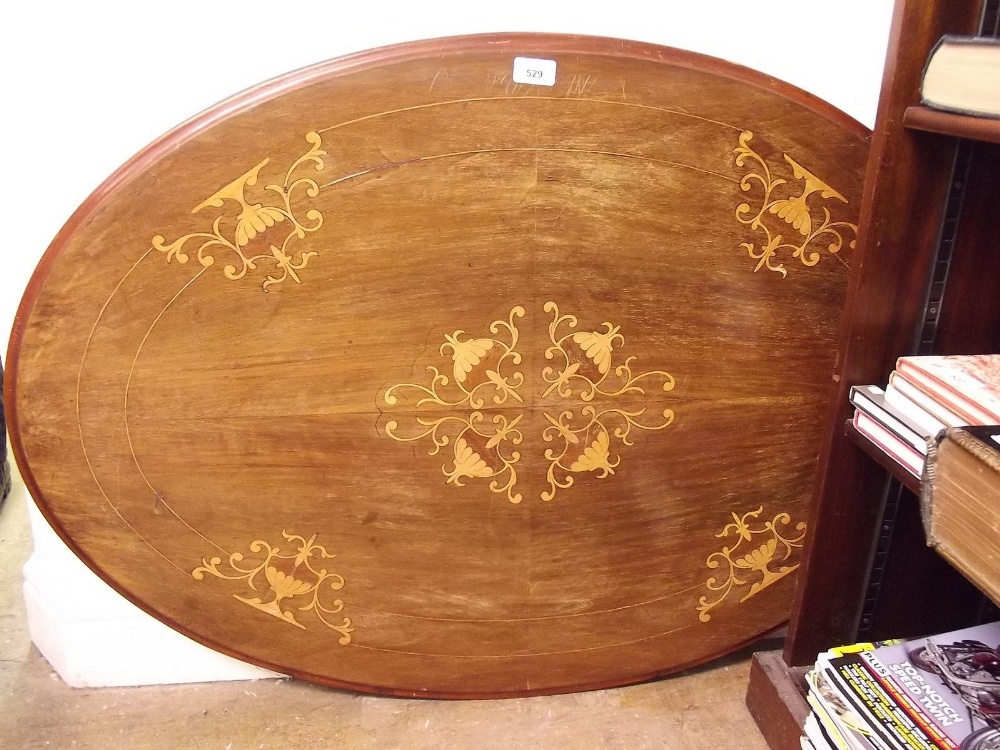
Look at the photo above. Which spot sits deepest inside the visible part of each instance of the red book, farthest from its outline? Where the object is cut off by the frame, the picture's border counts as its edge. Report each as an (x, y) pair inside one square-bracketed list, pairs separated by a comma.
[(967, 384), (902, 453)]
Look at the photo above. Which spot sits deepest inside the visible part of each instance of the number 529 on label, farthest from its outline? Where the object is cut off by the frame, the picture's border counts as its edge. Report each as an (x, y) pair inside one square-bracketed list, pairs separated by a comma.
[(534, 71)]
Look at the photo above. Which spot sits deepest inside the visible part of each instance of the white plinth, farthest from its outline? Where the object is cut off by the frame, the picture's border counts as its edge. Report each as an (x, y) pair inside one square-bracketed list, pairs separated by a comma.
[(94, 637)]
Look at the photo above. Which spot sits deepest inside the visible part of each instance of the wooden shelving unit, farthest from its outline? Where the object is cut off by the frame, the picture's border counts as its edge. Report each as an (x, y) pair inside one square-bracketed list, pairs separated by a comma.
[(925, 279), (947, 123), (899, 473)]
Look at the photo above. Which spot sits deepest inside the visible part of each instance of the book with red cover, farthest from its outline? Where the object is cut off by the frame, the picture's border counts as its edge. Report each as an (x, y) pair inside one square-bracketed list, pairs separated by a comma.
[(892, 445), (872, 400), (968, 384)]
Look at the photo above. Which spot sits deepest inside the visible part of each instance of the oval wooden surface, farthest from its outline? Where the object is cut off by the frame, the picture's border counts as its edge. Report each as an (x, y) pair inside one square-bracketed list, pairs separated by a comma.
[(400, 375)]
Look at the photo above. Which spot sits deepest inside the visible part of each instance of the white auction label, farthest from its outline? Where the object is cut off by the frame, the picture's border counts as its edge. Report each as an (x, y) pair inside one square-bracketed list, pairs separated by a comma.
[(534, 71)]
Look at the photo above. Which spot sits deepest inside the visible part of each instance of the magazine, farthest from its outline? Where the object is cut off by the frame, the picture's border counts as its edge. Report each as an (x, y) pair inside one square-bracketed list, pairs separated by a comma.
[(844, 727), (935, 693)]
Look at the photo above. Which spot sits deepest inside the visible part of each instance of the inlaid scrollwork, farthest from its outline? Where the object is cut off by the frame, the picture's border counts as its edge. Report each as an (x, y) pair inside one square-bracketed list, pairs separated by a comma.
[(582, 440), (758, 558), (288, 581), (802, 211), (245, 233)]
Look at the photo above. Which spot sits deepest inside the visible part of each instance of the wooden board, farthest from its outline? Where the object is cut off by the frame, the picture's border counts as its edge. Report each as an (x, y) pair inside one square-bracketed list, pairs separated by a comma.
[(397, 375)]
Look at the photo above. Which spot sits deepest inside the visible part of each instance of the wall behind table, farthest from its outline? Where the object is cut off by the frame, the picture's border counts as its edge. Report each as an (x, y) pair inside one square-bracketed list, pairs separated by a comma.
[(87, 85)]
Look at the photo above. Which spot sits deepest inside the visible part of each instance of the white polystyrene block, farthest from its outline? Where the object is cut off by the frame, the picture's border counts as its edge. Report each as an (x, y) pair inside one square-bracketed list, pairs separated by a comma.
[(94, 637)]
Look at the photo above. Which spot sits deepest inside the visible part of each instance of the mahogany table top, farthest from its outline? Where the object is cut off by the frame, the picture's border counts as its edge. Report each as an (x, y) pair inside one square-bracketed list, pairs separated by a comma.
[(398, 374)]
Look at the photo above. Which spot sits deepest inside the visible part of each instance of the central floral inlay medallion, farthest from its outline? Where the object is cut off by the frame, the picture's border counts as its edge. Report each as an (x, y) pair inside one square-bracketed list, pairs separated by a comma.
[(592, 401)]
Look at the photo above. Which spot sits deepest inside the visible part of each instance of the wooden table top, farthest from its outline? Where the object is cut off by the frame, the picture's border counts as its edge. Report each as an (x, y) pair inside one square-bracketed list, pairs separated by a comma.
[(400, 375)]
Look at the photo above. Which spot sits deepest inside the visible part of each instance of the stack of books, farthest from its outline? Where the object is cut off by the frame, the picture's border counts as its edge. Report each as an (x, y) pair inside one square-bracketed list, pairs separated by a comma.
[(925, 395), (936, 693)]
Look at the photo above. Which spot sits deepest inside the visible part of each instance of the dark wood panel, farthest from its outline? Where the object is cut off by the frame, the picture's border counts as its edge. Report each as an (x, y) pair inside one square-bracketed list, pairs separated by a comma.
[(970, 314), (776, 698), (881, 458), (920, 592)]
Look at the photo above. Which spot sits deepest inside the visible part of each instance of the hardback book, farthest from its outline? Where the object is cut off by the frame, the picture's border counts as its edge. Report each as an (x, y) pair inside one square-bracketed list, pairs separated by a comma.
[(936, 693), (967, 384), (962, 75), (871, 399), (940, 411), (889, 443), (960, 503), (916, 413)]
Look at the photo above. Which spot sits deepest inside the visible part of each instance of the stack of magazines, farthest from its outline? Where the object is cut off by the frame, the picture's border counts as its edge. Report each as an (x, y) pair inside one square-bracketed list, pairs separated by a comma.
[(936, 693), (924, 395)]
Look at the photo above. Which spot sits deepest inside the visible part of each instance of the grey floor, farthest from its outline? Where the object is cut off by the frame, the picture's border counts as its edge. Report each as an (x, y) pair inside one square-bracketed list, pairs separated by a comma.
[(700, 709)]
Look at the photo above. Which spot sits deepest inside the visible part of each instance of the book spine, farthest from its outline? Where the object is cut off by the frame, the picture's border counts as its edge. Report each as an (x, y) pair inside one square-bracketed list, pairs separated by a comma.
[(928, 481), (900, 452), (888, 421), (898, 400), (926, 402)]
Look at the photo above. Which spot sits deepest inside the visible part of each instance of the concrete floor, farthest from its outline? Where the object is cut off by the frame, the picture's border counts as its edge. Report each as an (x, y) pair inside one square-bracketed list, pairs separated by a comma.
[(699, 709)]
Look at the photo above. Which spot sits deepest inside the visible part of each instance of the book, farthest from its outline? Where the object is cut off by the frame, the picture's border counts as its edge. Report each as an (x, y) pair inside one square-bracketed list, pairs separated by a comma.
[(913, 411), (902, 385), (871, 399), (962, 75), (960, 503), (936, 693), (967, 384), (900, 451)]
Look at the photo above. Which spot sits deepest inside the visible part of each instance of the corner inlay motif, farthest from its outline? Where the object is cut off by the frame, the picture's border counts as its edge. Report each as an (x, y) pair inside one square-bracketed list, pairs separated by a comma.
[(755, 559), (248, 232), (288, 581), (802, 211)]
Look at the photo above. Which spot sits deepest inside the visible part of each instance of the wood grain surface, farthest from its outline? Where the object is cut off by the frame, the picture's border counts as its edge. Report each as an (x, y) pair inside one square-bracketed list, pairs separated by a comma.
[(397, 375)]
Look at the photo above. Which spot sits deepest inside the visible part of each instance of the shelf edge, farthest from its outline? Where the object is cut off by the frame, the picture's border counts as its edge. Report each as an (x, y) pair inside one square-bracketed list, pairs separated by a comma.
[(932, 120)]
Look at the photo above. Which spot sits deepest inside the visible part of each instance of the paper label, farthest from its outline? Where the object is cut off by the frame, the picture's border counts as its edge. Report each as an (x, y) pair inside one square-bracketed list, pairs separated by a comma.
[(535, 71)]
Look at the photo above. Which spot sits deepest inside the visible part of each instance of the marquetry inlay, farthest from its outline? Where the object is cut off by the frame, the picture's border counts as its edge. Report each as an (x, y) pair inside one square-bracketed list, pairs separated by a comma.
[(243, 235), (285, 581), (784, 206), (755, 560), (580, 394)]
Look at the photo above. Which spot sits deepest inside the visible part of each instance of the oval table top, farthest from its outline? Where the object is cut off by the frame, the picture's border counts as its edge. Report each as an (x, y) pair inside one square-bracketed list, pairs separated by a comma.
[(472, 367)]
